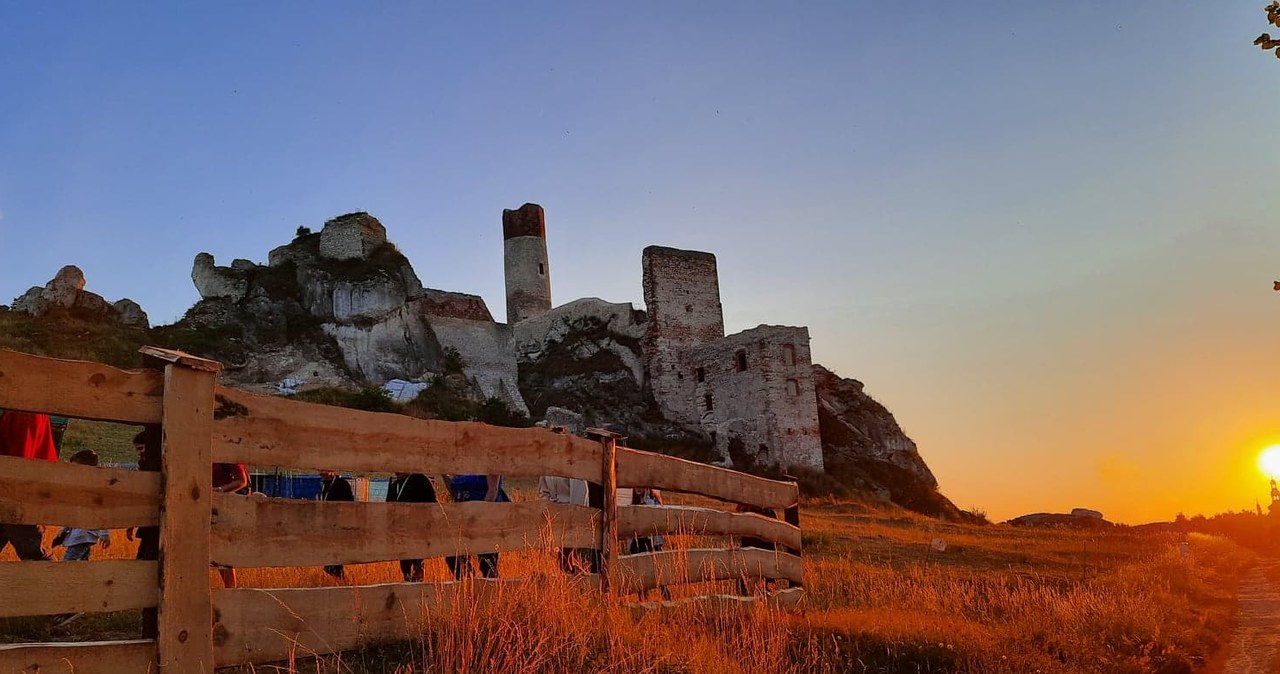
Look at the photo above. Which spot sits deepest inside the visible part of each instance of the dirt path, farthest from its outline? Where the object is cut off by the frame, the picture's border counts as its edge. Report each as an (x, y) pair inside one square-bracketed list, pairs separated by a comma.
[(1255, 643)]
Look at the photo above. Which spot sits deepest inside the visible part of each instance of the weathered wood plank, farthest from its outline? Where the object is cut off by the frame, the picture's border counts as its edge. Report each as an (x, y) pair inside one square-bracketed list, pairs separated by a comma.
[(639, 573), (185, 641), (272, 431), (667, 520), (314, 533), (91, 657), (42, 492), (716, 603), (645, 469), (79, 389), (608, 544), (182, 358), (268, 625), (51, 588)]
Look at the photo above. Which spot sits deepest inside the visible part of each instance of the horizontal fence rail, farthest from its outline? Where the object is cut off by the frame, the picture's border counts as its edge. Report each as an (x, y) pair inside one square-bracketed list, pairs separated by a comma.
[(52, 588), (782, 599), (202, 423), (647, 571), (270, 431), (76, 658), (277, 624), (253, 532), (42, 492), (666, 520), (645, 469), (79, 389)]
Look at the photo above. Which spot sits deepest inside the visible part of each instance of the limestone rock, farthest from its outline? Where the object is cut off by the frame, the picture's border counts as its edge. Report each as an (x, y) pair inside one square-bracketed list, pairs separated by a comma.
[(572, 422), (213, 282), (66, 292), (131, 313), (854, 425)]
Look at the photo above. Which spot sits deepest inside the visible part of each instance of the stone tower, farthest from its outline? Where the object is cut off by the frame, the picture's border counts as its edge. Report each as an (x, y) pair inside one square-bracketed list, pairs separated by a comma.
[(682, 295), (528, 272)]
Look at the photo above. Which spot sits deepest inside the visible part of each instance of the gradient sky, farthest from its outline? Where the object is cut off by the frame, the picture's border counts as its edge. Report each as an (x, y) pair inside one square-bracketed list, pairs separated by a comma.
[(1043, 234)]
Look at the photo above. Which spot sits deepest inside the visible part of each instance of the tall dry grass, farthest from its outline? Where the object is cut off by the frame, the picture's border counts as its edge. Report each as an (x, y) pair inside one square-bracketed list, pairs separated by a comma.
[(879, 599)]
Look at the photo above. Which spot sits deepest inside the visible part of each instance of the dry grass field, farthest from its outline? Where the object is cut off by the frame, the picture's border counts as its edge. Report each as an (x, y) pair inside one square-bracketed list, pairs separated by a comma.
[(880, 599)]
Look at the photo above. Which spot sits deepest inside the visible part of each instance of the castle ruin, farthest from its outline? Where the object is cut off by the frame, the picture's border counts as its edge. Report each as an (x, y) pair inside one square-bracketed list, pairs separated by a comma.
[(752, 392)]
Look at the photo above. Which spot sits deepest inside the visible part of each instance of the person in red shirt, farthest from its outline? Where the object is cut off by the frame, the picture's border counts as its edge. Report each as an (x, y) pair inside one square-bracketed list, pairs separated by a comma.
[(28, 436)]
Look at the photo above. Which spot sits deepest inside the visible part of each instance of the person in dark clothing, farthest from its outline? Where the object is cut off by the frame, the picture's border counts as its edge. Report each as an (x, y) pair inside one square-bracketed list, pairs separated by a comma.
[(334, 487), (465, 488), (28, 436), (411, 488)]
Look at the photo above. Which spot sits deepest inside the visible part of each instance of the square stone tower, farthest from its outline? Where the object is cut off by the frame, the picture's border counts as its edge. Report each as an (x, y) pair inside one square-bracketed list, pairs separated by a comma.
[(351, 237), (682, 295)]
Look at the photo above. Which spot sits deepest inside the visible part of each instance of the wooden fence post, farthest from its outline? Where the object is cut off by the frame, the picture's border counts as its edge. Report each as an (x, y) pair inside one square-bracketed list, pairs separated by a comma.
[(792, 516), (609, 511), (185, 640)]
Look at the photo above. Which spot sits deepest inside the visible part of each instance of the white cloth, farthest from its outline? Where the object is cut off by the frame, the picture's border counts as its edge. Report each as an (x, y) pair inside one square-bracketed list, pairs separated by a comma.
[(563, 490)]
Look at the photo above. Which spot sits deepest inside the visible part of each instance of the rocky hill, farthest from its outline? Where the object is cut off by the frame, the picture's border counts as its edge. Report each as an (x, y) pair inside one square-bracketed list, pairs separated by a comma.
[(335, 314)]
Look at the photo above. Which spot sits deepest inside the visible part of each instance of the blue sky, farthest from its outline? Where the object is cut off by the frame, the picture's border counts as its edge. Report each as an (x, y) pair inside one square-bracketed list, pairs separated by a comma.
[(1041, 233)]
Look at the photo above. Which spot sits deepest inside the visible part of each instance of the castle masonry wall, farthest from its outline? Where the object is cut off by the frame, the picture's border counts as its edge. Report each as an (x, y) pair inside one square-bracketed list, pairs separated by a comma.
[(682, 296), (351, 236), (755, 391)]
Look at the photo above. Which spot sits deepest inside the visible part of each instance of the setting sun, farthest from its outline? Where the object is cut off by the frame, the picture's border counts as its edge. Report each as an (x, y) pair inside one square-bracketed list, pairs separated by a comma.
[(1269, 461)]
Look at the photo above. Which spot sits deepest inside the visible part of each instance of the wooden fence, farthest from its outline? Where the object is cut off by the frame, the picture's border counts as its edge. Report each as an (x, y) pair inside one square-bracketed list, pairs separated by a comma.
[(199, 628)]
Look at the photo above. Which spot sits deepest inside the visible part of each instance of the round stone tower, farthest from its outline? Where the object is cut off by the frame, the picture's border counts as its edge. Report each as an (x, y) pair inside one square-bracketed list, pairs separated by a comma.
[(528, 273)]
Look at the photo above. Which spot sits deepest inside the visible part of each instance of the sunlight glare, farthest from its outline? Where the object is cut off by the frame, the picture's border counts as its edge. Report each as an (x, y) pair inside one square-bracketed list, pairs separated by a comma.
[(1269, 461)]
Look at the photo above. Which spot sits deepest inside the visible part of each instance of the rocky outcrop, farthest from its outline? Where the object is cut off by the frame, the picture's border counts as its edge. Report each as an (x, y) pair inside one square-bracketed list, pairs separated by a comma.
[(131, 313), (854, 425), (588, 365), (66, 292), (214, 282), (1074, 520), (866, 451), (349, 297), (619, 329)]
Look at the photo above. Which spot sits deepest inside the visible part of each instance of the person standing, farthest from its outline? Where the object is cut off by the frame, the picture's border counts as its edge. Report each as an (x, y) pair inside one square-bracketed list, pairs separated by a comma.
[(466, 488), (411, 488), (334, 487), (79, 542), (570, 492), (25, 435)]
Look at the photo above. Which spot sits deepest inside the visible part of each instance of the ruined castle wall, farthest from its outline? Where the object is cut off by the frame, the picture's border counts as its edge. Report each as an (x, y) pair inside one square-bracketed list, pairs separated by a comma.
[(527, 266), (755, 391), (488, 350), (454, 305), (351, 236), (682, 296)]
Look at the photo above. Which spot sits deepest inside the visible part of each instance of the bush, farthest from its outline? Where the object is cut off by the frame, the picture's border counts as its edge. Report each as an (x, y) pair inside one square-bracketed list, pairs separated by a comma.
[(369, 399)]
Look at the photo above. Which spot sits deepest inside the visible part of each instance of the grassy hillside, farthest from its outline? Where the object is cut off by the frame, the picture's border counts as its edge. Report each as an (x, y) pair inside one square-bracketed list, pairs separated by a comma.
[(880, 599)]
